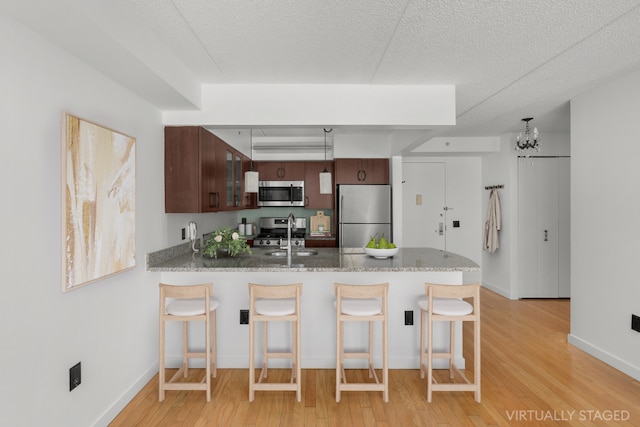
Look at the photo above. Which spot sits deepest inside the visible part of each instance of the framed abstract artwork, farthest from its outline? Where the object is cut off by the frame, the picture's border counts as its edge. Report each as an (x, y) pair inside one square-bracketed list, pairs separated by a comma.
[(98, 202)]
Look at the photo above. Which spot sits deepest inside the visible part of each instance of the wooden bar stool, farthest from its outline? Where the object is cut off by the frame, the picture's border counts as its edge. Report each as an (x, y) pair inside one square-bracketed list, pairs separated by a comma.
[(188, 303), (271, 303), (361, 303), (445, 303)]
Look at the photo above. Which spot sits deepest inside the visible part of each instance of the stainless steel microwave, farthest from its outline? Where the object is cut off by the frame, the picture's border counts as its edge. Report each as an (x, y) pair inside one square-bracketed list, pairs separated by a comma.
[(281, 193)]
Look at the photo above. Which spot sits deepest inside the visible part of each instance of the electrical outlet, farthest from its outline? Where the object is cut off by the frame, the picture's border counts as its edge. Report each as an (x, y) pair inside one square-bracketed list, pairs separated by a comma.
[(635, 323), (75, 376), (408, 317), (244, 317), (184, 234)]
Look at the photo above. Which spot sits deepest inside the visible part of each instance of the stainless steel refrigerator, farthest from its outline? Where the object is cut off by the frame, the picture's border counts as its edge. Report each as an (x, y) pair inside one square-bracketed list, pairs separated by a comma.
[(363, 211)]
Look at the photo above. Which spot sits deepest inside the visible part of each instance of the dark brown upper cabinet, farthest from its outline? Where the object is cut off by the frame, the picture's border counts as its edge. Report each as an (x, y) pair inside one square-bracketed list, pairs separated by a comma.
[(202, 172), (312, 197), (362, 171), (280, 171)]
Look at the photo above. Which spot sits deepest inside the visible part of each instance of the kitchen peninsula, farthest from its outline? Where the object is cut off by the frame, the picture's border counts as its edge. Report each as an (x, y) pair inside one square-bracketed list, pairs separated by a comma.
[(406, 273)]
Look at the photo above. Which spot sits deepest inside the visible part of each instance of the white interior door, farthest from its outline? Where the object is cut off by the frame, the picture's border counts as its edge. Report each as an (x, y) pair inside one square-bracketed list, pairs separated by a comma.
[(423, 214), (543, 227)]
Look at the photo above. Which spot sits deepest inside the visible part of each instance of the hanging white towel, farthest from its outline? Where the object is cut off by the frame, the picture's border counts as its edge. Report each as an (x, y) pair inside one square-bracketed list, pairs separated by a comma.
[(493, 223)]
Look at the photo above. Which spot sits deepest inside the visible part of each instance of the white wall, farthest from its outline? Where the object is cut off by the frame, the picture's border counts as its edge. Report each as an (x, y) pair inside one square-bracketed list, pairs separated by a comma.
[(353, 145), (605, 232), (500, 169), (110, 326)]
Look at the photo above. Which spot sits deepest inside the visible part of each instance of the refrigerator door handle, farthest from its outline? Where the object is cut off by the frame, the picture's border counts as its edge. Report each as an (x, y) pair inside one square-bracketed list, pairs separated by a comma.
[(340, 221)]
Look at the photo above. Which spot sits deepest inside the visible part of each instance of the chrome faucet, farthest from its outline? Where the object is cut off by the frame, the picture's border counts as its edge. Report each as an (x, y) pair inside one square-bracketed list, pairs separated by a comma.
[(291, 226)]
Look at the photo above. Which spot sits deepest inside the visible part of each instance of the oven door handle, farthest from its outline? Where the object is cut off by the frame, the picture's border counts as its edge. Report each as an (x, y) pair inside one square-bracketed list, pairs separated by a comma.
[(291, 194)]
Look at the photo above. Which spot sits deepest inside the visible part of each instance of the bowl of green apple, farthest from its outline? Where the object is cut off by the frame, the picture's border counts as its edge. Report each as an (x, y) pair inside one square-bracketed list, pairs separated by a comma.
[(380, 249)]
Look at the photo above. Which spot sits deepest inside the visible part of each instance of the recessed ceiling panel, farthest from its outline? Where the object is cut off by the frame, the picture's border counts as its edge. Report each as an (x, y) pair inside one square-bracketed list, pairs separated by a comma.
[(293, 41), (485, 46)]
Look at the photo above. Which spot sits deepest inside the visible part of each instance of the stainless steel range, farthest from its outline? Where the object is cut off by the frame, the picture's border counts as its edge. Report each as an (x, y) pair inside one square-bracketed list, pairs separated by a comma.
[(273, 232)]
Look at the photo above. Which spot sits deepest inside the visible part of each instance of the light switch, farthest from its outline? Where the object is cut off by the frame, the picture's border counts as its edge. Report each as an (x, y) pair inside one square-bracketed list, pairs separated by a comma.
[(418, 199)]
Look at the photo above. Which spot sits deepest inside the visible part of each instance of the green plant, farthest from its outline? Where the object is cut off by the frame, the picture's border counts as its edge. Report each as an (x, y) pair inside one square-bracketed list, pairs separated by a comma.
[(227, 239)]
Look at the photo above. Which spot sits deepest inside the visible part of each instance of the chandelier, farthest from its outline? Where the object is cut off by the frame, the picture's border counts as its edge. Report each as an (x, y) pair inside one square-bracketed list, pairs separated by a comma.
[(528, 141)]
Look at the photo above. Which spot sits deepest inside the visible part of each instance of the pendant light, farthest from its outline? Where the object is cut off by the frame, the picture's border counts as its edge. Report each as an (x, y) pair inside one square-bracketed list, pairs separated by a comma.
[(325, 175), (251, 176)]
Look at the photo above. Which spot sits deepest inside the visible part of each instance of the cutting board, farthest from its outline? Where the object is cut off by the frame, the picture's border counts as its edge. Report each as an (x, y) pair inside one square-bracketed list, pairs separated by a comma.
[(320, 219)]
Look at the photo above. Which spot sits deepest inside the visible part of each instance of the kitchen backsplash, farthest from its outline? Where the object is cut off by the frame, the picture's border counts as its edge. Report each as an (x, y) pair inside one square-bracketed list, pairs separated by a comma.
[(255, 214)]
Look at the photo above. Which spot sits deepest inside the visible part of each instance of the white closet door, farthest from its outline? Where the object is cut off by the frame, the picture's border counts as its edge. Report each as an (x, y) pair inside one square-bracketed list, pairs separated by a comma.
[(539, 233), (423, 217)]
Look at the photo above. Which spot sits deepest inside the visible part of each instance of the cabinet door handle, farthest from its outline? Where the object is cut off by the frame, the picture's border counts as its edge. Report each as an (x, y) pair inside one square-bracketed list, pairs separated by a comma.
[(280, 172), (364, 175), (214, 199), (306, 200)]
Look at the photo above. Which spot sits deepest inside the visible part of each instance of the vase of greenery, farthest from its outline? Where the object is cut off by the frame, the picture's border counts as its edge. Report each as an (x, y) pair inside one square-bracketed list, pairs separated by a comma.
[(225, 242)]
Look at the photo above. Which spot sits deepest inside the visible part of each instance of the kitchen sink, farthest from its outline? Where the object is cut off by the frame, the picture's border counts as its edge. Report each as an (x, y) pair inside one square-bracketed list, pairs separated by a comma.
[(298, 252)]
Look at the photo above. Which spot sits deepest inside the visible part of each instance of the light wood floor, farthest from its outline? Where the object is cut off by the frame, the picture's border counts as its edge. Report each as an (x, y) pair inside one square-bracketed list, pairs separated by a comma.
[(531, 376)]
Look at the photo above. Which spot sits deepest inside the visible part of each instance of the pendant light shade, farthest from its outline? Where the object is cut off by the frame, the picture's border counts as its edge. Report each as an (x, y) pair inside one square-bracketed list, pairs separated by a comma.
[(325, 175), (251, 181), (251, 176), (325, 182)]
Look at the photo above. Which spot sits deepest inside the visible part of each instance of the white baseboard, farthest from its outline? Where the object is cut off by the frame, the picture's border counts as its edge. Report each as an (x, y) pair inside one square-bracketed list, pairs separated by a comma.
[(123, 400), (499, 291), (608, 358)]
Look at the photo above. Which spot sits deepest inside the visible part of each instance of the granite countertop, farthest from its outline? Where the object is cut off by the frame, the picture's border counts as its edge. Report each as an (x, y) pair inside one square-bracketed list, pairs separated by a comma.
[(181, 259)]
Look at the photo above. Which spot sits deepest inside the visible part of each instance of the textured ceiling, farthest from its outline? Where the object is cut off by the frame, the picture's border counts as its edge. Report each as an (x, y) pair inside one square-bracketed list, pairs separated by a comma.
[(508, 59)]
